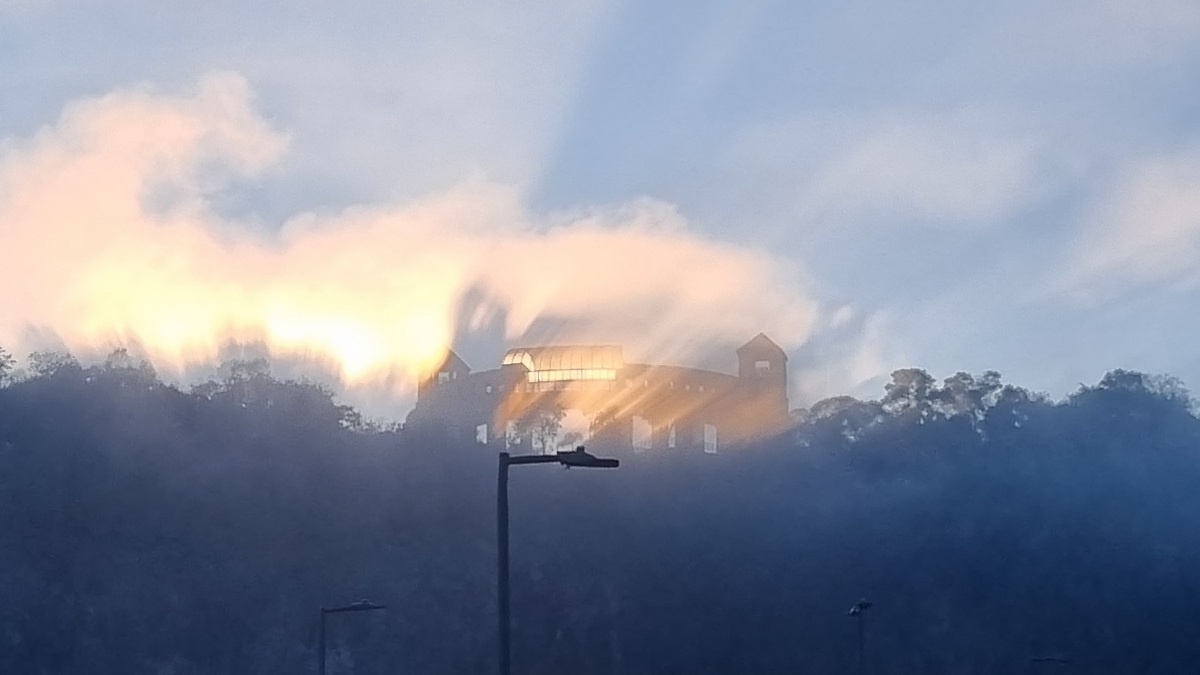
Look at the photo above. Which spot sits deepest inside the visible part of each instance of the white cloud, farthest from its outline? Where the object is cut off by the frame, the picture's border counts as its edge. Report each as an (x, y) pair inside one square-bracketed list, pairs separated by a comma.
[(850, 358), (385, 99), (1144, 229), (99, 258), (842, 316), (960, 169), (926, 171)]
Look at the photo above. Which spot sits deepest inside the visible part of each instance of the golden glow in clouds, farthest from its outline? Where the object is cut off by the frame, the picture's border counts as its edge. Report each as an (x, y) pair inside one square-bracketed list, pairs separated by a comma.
[(110, 239)]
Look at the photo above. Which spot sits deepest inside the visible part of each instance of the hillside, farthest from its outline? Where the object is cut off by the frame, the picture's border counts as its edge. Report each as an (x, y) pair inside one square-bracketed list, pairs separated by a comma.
[(156, 530)]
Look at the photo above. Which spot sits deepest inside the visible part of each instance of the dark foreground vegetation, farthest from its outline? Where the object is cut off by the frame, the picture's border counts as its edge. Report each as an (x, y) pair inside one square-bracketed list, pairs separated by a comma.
[(152, 530)]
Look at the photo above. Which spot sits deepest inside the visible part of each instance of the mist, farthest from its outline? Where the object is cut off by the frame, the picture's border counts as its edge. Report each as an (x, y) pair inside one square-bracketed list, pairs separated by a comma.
[(154, 530)]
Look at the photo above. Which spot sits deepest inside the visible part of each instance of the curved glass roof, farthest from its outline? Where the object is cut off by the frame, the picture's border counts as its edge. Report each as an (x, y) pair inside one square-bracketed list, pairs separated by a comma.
[(576, 358)]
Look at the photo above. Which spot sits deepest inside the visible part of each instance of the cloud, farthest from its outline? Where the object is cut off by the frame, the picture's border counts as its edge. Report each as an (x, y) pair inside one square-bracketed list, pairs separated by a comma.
[(107, 222), (387, 100), (1144, 230), (926, 171), (849, 355), (959, 168)]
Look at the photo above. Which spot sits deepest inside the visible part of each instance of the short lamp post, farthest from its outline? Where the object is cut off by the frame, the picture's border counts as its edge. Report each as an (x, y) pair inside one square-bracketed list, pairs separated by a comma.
[(360, 606), (578, 457), (859, 611)]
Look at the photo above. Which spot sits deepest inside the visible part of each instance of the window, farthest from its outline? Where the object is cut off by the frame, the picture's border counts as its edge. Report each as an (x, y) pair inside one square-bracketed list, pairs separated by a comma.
[(710, 439), (443, 377), (671, 437), (762, 367), (576, 374), (487, 389), (481, 434)]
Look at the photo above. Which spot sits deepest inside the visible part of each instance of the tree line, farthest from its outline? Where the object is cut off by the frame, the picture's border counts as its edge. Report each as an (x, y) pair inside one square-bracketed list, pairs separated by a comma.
[(153, 529)]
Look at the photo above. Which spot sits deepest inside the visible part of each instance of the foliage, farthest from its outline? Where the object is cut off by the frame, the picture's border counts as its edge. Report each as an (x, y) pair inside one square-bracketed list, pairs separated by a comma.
[(540, 426), (48, 364), (152, 530), (7, 364)]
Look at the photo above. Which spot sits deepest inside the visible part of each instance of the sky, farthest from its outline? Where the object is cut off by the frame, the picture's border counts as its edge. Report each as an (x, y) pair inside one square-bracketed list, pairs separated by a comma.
[(945, 185)]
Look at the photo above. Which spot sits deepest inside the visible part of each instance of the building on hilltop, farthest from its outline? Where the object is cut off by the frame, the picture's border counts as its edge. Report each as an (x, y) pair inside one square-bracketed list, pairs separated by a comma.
[(635, 405)]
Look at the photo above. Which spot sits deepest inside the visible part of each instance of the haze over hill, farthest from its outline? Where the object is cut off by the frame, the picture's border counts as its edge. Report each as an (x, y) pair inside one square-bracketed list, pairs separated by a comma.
[(235, 236), (154, 530)]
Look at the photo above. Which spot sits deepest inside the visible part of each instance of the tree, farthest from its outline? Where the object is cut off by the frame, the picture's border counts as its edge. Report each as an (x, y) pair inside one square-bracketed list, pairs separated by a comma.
[(911, 390), (1163, 386), (7, 364), (47, 364), (129, 370), (835, 406), (850, 414), (541, 425), (964, 394), (243, 380)]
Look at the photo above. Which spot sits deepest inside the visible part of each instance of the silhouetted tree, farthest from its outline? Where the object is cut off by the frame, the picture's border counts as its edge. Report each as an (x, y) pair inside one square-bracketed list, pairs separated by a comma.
[(7, 365), (541, 425), (46, 364), (150, 530), (910, 392)]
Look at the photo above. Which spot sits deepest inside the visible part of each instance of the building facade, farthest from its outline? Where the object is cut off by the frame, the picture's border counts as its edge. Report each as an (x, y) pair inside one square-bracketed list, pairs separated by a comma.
[(626, 405)]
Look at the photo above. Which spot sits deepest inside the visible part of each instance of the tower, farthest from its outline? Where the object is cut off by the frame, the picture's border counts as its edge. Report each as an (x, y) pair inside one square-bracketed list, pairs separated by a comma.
[(762, 369)]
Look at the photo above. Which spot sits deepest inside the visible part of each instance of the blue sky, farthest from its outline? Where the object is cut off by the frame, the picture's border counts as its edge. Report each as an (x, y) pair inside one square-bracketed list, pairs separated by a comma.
[(947, 185)]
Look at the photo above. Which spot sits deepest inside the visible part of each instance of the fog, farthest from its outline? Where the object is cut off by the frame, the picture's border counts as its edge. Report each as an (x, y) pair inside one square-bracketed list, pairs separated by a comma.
[(153, 530)]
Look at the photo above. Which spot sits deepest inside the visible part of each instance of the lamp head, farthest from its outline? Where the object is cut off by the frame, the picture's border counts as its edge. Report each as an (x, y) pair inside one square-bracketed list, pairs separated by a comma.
[(859, 607), (581, 457)]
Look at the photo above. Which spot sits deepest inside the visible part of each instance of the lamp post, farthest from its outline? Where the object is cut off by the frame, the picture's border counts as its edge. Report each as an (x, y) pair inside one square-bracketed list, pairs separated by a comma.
[(577, 457), (360, 606), (859, 611)]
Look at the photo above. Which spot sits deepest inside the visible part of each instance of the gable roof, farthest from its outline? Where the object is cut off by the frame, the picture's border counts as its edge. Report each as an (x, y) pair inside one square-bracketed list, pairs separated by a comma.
[(453, 362), (761, 344)]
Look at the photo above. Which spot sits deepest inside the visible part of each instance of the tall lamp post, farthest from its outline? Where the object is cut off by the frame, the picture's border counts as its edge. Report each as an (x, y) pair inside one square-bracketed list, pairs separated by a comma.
[(577, 457), (859, 611), (360, 606)]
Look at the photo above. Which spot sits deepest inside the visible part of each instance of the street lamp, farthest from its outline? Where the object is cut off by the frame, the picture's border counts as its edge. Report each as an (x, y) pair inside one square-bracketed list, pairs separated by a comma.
[(360, 606), (859, 611), (577, 457)]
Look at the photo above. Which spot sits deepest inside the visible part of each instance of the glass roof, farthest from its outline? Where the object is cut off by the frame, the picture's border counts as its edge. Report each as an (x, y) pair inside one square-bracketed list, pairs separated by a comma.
[(567, 357)]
